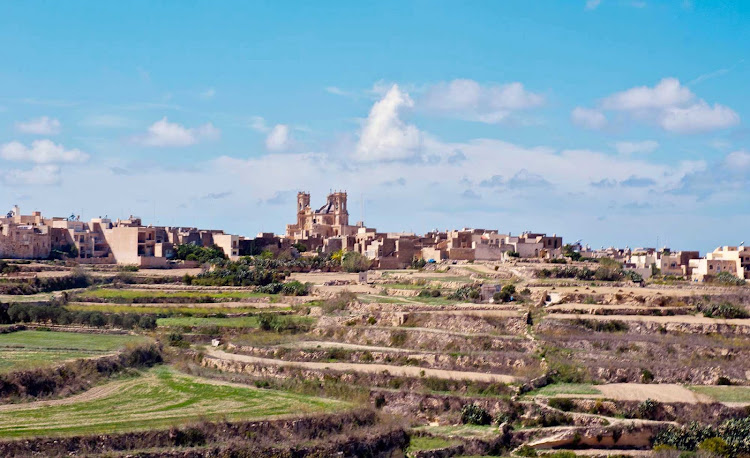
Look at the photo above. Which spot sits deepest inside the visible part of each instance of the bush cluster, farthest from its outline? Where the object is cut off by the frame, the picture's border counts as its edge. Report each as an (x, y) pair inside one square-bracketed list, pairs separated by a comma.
[(734, 432), (47, 284), (472, 414), (601, 273), (466, 293), (429, 293), (723, 309), (727, 278), (292, 288), (32, 313), (193, 252), (6, 268), (505, 294), (280, 323), (603, 326)]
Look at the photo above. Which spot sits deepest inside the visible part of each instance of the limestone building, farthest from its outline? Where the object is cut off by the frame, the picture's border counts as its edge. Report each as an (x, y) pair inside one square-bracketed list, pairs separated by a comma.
[(330, 220)]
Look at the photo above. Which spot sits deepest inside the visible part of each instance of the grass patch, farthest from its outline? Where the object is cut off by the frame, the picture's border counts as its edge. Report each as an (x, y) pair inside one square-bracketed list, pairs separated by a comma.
[(418, 443), (565, 389), (161, 398), (369, 299), (131, 295), (724, 393), (168, 310), (34, 349), (462, 431), (231, 322), (402, 286)]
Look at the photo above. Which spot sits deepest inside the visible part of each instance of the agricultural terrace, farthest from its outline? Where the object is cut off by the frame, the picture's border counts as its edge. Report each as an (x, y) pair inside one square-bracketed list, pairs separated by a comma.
[(160, 398), (36, 349), (126, 296)]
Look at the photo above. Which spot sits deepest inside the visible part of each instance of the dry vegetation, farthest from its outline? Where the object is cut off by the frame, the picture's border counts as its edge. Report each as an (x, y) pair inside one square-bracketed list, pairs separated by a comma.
[(558, 362)]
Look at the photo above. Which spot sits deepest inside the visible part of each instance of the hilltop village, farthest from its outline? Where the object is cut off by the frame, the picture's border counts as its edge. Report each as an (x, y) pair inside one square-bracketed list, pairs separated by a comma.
[(336, 339), (326, 230)]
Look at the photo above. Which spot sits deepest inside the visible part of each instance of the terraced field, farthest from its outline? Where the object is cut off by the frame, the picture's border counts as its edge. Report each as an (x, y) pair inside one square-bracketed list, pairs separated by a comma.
[(160, 398), (143, 295), (34, 349), (233, 322)]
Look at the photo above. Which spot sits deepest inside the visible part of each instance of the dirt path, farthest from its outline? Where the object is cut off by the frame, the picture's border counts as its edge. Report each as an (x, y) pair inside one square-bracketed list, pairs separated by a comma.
[(446, 332), (404, 371), (313, 344), (686, 319), (589, 307)]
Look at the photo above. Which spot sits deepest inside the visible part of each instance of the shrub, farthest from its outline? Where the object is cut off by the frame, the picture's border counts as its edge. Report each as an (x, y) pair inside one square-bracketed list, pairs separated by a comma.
[(723, 309), (418, 263), (715, 446), (147, 322), (338, 302), (564, 404), (472, 414), (527, 451), (466, 292), (351, 261), (726, 278), (647, 409), (177, 340), (193, 252), (295, 288)]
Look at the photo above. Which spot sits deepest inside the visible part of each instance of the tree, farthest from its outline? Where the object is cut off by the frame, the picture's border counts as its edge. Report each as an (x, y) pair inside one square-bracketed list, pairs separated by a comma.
[(352, 261)]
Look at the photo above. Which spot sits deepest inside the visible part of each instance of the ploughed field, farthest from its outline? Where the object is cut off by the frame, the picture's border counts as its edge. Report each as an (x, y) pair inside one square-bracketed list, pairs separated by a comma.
[(22, 350), (161, 397)]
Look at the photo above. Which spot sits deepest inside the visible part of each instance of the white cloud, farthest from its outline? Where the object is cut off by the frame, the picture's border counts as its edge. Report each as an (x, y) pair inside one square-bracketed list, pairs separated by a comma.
[(592, 4), (384, 135), (667, 93), (208, 93), (38, 175), (338, 91), (257, 123), (737, 160), (671, 106), (699, 117), (167, 134), (41, 152), (647, 146), (467, 99), (278, 138), (588, 118), (39, 126)]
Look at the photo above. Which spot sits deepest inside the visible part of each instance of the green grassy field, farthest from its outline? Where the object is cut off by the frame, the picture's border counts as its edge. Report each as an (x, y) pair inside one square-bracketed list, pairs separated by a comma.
[(33, 349), (463, 431), (232, 322), (724, 393), (161, 398), (418, 443), (166, 309), (128, 295)]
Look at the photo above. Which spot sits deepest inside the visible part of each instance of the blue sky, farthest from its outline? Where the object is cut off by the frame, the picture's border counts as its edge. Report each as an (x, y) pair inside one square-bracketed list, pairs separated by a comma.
[(615, 121)]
